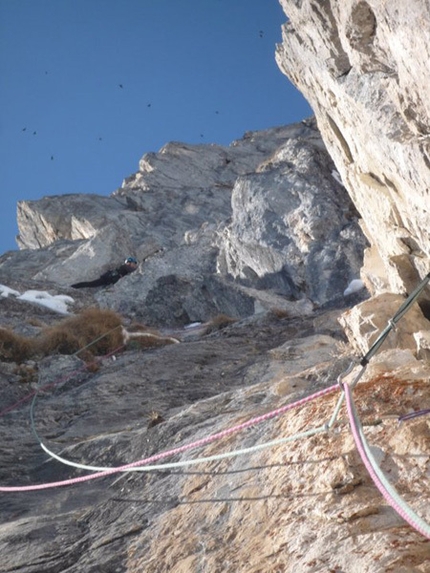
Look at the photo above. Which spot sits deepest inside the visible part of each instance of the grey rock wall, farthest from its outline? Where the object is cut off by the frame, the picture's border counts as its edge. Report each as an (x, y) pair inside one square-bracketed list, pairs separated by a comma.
[(293, 230), (364, 68), (213, 228)]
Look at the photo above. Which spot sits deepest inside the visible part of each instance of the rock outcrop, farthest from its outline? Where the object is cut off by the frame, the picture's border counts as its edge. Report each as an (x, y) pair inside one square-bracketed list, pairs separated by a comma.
[(363, 66), (216, 229), (291, 228)]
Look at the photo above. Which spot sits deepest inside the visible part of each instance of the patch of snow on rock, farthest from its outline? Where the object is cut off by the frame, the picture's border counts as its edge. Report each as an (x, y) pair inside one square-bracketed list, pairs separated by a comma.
[(57, 303), (354, 286), (5, 291)]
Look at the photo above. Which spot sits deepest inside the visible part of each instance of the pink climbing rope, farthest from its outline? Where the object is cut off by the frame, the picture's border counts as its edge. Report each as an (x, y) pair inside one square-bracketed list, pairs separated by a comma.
[(405, 512), (196, 444)]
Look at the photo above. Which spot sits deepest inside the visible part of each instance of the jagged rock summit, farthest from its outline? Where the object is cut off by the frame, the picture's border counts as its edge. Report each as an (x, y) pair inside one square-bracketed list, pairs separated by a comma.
[(215, 230)]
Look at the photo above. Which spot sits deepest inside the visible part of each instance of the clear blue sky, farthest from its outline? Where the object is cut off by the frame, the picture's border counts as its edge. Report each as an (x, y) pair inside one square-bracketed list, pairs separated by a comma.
[(197, 71)]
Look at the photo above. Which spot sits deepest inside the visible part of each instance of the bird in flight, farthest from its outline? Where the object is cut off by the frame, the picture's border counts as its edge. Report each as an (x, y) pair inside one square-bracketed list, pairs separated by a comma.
[(52, 158), (34, 132), (261, 33), (24, 129), (121, 86)]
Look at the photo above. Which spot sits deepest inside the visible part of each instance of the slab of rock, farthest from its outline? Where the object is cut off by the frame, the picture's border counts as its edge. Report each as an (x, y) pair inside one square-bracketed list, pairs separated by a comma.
[(289, 507), (364, 322), (363, 66), (49, 219), (293, 230)]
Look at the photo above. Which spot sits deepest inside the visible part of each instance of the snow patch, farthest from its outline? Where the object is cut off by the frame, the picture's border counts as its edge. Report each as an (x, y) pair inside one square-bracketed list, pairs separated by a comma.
[(5, 291), (354, 286), (58, 303), (192, 325)]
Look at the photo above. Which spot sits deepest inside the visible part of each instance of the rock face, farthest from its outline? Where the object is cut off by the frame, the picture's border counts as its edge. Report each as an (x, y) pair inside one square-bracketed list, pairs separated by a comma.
[(363, 66), (363, 323), (291, 228), (304, 505), (265, 232), (216, 229)]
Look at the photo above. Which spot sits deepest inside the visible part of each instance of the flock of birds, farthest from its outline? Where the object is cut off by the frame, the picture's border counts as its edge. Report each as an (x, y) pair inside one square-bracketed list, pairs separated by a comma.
[(121, 86), (99, 138)]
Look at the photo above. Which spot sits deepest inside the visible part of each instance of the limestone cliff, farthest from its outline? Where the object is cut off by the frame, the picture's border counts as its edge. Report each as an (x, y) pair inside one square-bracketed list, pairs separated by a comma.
[(364, 68), (263, 231), (213, 229)]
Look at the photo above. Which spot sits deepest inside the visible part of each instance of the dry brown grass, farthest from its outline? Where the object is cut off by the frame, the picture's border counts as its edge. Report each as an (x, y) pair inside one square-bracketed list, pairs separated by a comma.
[(75, 334), (219, 322), (279, 313), (155, 418), (93, 366), (93, 332), (15, 348)]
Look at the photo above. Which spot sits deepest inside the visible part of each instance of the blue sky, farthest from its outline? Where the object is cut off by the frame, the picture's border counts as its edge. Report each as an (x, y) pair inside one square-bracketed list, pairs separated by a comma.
[(197, 71)]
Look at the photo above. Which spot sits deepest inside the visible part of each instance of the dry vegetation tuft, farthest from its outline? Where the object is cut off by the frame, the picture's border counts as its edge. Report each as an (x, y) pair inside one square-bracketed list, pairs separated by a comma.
[(219, 322), (155, 418), (93, 332), (71, 335), (15, 348), (76, 332), (279, 313)]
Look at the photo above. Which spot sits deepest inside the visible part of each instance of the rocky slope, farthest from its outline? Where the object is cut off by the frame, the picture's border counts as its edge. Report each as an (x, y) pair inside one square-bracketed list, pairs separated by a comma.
[(213, 228), (299, 506), (265, 232)]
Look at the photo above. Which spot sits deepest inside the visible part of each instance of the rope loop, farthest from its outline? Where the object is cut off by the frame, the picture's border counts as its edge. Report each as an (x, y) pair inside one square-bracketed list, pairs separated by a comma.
[(344, 374)]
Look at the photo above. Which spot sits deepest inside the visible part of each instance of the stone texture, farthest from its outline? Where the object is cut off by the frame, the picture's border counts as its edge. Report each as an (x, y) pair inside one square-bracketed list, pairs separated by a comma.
[(49, 219), (292, 229), (422, 339), (305, 505), (175, 190), (231, 230), (363, 323), (363, 66)]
